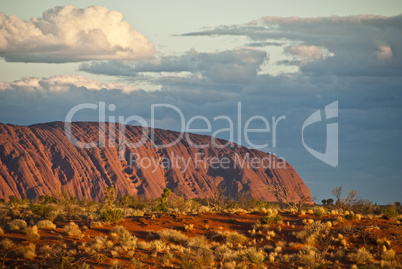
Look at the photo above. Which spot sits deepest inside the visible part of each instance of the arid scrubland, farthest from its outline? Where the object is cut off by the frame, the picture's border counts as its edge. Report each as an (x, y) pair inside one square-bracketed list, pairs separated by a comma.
[(173, 232)]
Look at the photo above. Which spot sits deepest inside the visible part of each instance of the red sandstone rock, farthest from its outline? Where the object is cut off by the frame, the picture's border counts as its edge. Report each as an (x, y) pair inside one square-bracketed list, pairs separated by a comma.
[(39, 159)]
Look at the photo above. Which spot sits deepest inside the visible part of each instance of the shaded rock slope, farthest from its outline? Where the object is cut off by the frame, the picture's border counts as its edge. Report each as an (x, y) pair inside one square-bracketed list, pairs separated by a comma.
[(40, 159)]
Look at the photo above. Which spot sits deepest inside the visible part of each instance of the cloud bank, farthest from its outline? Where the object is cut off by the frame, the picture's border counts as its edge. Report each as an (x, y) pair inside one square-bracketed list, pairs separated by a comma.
[(63, 83), (70, 34), (360, 45), (239, 65)]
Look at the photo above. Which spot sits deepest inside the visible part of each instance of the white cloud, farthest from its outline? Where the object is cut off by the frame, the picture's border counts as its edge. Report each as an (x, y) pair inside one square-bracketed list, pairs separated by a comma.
[(307, 53), (63, 83), (68, 34)]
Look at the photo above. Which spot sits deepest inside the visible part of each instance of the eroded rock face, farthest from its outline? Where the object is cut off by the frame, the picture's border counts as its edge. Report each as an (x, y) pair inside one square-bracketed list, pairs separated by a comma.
[(40, 159)]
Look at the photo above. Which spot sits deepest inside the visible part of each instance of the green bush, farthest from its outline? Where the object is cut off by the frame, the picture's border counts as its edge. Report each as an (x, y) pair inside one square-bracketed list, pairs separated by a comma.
[(111, 215), (45, 211), (350, 217), (47, 199), (390, 213), (138, 206), (162, 207), (271, 219)]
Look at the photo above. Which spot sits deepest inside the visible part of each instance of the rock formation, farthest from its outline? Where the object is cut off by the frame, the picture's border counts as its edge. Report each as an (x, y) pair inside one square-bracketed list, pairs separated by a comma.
[(41, 159)]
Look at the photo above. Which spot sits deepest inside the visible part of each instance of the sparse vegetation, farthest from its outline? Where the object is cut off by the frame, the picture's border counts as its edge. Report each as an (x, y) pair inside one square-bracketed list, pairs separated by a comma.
[(17, 224), (163, 200), (362, 256), (73, 230), (391, 213), (197, 233), (173, 236), (111, 215), (269, 220), (46, 224), (32, 233), (27, 252)]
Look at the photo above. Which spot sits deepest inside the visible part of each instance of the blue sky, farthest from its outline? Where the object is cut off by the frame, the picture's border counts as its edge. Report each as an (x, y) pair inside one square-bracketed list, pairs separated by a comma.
[(277, 58)]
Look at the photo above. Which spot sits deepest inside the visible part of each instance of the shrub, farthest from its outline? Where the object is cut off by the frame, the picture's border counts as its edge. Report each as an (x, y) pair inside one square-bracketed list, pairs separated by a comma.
[(56, 256), (388, 255), (6, 244), (17, 224), (158, 245), (198, 242), (124, 237), (47, 199), (362, 256), (136, 263), (224, 253), (229, 265), (46, 224), (350, 216), (162, 201), (201, 259), (73, 230), (137, 213), (45, 251), (390, 213), (254, 256), (308, 256), (179, 203), (32, 233), (110, 196), (111, 215), (99, 243), (318, 235), (96, 224), (204, 256), (167, 259), (27, 252), (173, 236), (319, 211), (339, 254), (138, 205), (233, 237), (45, 211), (269, 220), (143, 245)]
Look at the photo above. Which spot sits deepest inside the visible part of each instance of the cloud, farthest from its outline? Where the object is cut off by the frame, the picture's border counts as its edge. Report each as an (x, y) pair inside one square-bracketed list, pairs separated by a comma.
[(239, 65), (306, 53), (359, 45), (70, 34), (63, 83), (384, 53)]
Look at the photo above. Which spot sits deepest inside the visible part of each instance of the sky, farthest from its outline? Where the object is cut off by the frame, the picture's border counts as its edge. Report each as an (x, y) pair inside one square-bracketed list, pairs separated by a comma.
[(258, 63)]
